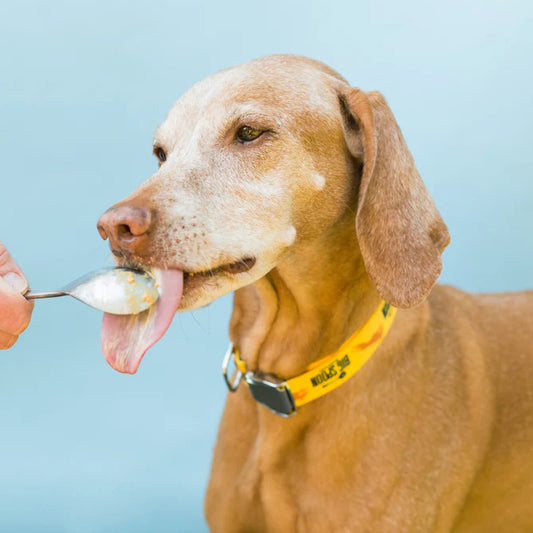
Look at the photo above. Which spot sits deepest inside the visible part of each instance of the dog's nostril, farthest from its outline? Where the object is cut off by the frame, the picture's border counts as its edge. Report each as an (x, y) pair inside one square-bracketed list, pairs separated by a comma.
[(124, 231), (125, 224)]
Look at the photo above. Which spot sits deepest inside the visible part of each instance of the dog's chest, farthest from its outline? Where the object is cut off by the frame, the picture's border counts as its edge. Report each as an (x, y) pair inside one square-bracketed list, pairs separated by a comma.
[(251, 487), (270, 481)]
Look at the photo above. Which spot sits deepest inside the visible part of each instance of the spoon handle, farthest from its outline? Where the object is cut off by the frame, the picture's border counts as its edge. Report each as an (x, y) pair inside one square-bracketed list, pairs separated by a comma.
[(34, 295)]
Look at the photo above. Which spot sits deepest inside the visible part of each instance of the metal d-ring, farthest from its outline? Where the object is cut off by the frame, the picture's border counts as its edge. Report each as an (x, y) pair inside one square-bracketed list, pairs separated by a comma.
[(233, 382)]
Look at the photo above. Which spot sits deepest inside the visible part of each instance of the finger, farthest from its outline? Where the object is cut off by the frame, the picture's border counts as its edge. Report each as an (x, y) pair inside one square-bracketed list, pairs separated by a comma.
[(7, 340), (15, 310), (11, 272)]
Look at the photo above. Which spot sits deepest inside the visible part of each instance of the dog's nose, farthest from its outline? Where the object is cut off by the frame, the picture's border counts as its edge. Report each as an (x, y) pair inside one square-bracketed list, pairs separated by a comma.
[(126, 226)]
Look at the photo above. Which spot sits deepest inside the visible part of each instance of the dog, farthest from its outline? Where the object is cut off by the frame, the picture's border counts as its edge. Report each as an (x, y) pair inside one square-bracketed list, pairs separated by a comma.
[(281, 182)]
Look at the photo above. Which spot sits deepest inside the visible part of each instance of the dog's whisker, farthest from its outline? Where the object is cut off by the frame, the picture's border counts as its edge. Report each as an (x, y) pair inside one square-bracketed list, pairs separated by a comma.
[(197, 322)]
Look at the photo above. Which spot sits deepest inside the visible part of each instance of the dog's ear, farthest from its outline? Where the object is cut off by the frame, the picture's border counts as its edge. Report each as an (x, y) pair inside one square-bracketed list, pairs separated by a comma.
[(400, 232)]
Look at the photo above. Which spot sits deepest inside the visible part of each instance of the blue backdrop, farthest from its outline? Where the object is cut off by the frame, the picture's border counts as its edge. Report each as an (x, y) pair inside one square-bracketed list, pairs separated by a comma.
[(82, 87)]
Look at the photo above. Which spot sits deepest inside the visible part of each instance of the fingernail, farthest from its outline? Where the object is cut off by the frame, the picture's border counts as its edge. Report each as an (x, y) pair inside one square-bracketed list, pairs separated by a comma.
[(16, 281)]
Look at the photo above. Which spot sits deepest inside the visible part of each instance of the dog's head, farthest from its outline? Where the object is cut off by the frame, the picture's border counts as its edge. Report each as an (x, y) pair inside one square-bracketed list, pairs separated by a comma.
[(262, 157)]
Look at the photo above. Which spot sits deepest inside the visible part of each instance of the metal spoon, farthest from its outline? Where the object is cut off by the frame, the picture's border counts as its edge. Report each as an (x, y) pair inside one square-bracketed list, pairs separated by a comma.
[(120, 291)]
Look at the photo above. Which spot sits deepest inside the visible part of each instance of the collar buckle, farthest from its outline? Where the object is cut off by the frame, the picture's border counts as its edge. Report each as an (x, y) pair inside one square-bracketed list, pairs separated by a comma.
[(268, 390), (272, 392)]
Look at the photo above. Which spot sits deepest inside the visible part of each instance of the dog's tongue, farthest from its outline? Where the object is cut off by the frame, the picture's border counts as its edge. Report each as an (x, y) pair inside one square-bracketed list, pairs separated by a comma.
[(126, 338)]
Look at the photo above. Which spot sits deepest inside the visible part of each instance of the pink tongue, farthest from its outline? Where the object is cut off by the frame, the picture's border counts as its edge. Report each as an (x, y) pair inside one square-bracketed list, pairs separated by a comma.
[(126, 338)]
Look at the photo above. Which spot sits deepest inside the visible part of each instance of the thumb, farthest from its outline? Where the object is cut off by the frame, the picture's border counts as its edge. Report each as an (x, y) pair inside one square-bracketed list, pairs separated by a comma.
[(10, 272)]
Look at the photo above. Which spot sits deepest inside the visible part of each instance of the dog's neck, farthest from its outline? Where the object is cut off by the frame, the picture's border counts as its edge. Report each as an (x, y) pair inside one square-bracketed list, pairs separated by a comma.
[(306, 307)]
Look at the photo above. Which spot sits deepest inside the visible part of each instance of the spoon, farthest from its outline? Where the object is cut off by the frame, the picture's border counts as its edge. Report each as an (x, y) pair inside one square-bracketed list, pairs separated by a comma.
[(119, 291)]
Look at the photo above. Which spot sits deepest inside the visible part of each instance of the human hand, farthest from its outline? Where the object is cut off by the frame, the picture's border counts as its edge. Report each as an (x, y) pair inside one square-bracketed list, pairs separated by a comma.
[(15, 310)]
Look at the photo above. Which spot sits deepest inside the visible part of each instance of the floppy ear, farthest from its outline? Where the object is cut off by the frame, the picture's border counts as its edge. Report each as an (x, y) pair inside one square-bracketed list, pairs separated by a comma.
[(400, 232)]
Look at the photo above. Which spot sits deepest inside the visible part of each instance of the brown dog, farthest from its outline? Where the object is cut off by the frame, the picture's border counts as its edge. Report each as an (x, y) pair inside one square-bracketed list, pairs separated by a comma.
[(280, 181)]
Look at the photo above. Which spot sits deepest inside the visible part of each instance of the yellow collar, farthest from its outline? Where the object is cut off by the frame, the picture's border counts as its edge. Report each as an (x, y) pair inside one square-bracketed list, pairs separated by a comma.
[(321, 377)]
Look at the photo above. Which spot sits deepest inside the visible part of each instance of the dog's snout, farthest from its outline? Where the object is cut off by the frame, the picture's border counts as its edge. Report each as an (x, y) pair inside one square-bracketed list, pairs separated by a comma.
[(126, 226)]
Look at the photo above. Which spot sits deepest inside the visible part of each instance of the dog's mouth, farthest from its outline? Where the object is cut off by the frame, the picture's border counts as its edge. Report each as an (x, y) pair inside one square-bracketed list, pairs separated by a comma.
[(237, 267), (125, 339), (193, 279)]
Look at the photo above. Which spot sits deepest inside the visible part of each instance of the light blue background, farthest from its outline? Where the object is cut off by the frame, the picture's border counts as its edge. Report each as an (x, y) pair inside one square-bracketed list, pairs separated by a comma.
[(82, 87)]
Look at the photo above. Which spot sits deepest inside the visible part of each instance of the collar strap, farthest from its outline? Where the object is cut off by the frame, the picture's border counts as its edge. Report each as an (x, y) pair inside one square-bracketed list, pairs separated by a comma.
[(285, 396)]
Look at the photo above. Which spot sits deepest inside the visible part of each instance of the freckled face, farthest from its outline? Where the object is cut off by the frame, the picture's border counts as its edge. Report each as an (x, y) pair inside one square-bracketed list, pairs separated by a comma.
[(244, 163)]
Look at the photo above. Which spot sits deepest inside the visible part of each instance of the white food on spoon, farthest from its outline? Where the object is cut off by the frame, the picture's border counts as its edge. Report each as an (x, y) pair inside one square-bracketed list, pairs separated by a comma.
[(117, 291)]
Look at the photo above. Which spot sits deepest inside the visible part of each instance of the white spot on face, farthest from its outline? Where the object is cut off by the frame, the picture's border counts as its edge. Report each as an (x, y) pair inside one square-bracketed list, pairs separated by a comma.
[(318, 181), (289, 236)]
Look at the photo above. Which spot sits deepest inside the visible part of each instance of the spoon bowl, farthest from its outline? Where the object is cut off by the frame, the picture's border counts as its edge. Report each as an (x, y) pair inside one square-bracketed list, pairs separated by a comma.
[(119, 291)]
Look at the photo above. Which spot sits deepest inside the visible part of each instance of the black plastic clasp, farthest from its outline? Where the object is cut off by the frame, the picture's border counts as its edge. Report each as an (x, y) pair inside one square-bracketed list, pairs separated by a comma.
[(272, 392)]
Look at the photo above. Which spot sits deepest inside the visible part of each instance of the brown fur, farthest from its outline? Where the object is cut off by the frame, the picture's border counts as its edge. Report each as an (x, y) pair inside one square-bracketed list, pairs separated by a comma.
[(435, 433)]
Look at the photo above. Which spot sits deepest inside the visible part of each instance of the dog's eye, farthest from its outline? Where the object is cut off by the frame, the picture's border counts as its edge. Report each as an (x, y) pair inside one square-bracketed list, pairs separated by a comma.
[(160, 154), (246, 134)]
